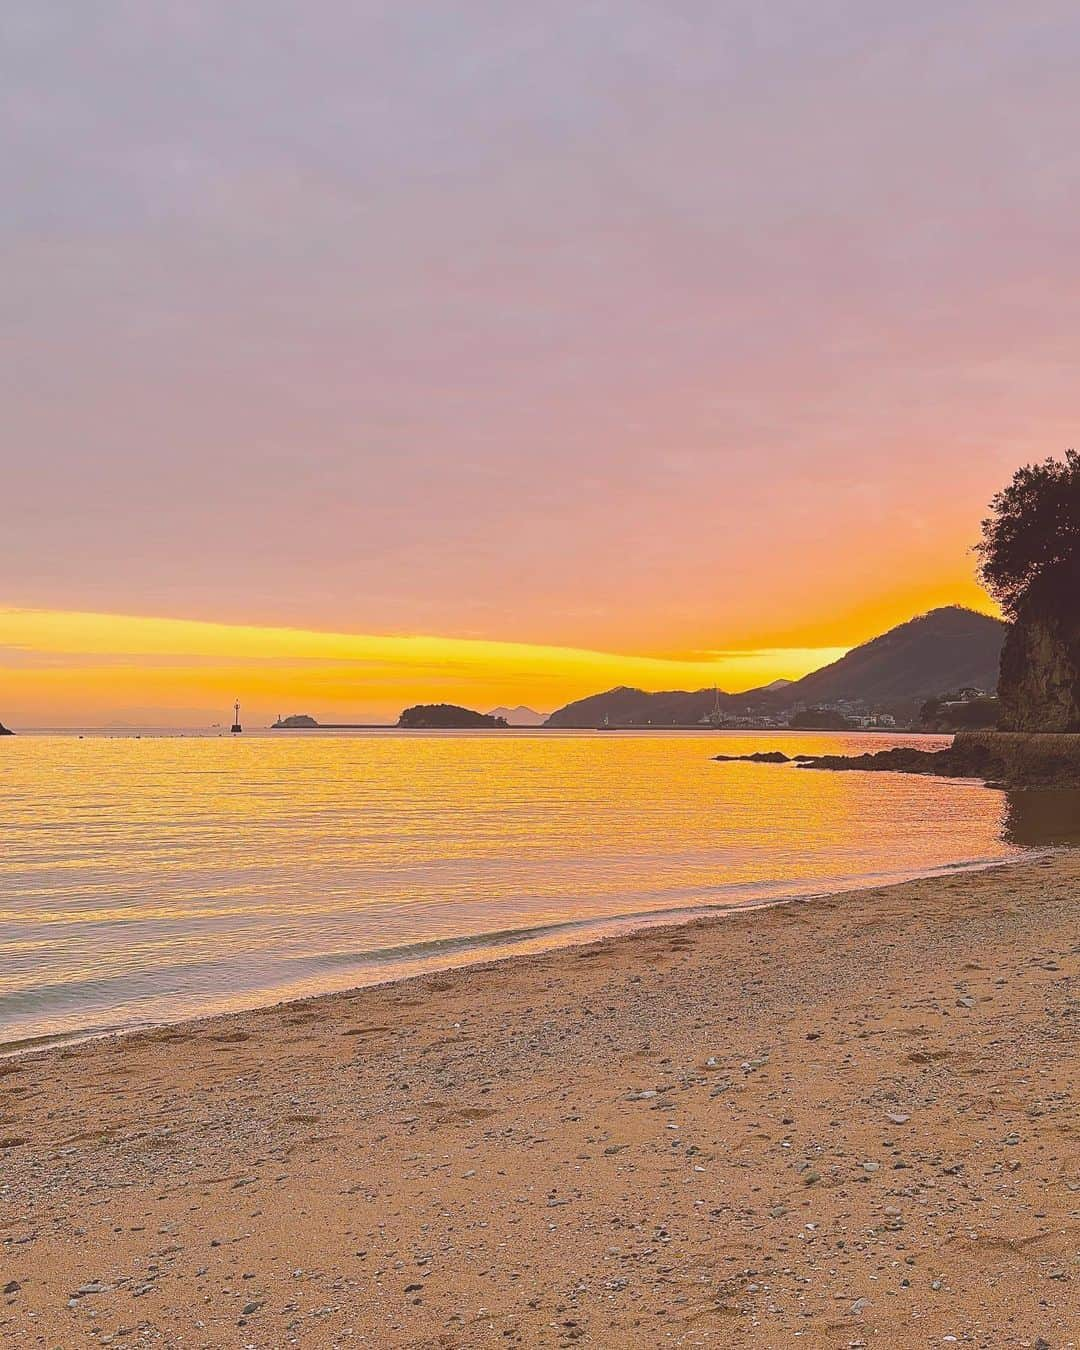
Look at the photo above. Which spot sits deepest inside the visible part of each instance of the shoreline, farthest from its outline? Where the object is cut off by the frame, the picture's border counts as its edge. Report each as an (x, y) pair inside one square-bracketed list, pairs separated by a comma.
[(1002, 759), (590, 931), (839, 1121)]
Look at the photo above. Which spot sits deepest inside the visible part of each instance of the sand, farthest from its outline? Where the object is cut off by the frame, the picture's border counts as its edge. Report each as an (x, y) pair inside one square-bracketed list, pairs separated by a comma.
[(846, 1122)]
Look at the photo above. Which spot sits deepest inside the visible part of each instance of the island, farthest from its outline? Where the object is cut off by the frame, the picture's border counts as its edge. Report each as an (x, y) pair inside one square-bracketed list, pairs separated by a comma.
[(5, 731), (443, 716), (295, 722)]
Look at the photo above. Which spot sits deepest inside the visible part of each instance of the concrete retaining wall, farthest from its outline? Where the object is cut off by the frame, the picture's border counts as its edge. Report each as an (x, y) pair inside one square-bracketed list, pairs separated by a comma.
[(1026, 755)]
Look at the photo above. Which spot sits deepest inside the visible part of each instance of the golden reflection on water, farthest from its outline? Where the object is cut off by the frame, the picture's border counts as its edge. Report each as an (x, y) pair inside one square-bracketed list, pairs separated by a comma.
[(167, 877)]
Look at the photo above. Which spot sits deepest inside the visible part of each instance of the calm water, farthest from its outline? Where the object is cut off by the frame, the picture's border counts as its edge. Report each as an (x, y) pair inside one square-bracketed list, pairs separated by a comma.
[(154, 879)]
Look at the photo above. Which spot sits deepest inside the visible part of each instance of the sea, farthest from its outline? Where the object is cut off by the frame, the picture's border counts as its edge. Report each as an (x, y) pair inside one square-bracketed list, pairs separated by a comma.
[(154, 877)]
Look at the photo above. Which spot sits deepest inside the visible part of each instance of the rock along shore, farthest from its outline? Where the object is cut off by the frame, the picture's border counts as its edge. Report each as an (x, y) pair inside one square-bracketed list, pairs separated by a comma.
[(1020, 759)]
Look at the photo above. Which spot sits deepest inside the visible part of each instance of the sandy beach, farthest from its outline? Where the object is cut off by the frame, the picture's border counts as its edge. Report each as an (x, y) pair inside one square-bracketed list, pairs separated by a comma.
[(839, 1123)]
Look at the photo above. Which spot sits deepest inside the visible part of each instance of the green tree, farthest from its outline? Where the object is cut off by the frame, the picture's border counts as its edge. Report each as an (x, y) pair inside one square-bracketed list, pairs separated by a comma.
[(1032, 537)]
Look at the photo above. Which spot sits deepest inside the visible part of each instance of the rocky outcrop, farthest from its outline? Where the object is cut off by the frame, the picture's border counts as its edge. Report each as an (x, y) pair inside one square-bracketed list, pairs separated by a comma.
[(1039, 682), (760, 757), (1018, 759), (4, 731)]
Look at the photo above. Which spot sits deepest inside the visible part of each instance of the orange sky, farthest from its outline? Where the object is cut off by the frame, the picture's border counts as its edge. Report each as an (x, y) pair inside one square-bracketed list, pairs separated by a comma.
[(653, 330), (61, 669)]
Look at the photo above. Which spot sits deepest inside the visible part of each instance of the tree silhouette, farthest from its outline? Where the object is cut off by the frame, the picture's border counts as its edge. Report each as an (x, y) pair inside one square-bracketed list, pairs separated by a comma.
[(1032, 539)]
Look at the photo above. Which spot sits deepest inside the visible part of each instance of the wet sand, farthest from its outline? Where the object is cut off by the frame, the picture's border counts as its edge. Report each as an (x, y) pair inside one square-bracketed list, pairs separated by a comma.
[(841, 1123)]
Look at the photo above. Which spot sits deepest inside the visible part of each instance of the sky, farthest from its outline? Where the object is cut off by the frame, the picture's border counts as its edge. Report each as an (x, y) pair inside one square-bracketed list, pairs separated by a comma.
[(651, 343)]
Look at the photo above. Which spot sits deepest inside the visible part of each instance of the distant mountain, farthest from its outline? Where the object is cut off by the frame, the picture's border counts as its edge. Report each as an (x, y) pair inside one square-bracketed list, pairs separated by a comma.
[(519, 716), (946, 649), (445, 716)]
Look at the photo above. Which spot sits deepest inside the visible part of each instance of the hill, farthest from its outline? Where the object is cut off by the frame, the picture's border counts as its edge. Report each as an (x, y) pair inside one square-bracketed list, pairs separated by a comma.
[(624, 707), (4, 731), (948, 648)]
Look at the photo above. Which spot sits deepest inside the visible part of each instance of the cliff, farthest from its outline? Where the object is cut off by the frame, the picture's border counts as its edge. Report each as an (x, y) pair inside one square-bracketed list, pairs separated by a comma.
[(1039, 681), (4, 730)]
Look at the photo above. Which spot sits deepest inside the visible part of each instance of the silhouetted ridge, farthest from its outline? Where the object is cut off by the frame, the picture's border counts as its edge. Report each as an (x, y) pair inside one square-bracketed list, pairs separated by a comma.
[(634, 707), (949, 648)]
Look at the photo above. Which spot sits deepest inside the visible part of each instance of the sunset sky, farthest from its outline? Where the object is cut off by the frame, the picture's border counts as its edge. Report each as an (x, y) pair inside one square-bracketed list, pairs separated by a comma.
[(355, 353)]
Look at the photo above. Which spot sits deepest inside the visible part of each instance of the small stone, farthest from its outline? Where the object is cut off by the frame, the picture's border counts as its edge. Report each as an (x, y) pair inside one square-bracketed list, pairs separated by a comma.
[(12, 1287), (897, 1117), (250, 1308)]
